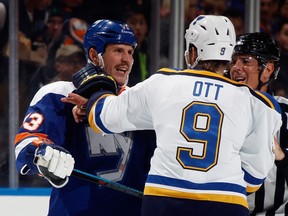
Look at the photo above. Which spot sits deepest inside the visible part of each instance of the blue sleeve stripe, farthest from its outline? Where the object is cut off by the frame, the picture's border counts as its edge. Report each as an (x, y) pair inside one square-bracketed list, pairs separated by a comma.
[(95, 103), (98, 108), (220, 186), (251, 179), (94, 108)]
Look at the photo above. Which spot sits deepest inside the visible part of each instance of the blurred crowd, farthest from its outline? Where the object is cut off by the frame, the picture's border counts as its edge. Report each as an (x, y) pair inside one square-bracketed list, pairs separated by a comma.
[(51, 33)]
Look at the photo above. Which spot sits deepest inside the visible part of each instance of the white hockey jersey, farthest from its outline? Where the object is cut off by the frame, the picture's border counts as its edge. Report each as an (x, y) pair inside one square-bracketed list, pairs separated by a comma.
[(214, 135)]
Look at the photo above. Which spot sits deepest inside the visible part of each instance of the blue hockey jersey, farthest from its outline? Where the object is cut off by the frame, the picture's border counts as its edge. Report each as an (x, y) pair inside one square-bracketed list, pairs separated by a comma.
[(121, 157)]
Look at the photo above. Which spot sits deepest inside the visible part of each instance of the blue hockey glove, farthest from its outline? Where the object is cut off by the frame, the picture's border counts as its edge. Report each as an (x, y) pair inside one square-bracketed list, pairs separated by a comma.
[(54, 163)]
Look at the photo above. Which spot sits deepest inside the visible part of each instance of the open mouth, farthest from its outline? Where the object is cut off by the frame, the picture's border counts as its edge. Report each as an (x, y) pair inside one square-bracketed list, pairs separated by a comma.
[(240, 79), (122, 69)]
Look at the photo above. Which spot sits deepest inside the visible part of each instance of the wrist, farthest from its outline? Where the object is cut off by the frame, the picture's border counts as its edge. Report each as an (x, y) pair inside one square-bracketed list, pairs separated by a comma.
[(282, 160), (280, 155)]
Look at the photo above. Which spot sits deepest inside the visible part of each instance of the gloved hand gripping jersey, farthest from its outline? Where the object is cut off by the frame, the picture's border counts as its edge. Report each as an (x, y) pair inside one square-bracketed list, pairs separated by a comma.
[(91, 79), (54, 163)]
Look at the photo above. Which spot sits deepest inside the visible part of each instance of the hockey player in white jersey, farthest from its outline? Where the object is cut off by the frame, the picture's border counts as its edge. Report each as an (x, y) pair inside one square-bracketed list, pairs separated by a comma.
[(255, 61), (214, 135)]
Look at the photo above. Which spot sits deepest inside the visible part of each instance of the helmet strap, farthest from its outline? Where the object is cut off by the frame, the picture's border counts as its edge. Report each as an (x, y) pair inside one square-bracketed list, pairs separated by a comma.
[(195, 63), (187, 59), (186, 55), (101, 61), (261, 84)]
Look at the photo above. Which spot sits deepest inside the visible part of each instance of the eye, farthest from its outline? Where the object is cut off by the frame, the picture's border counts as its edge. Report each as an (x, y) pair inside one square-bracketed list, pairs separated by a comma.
[(131, 52), (248, 60), (119, 50)]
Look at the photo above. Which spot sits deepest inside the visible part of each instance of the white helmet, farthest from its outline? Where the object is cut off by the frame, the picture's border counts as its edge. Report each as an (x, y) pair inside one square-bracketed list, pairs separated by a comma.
[(213, 36)]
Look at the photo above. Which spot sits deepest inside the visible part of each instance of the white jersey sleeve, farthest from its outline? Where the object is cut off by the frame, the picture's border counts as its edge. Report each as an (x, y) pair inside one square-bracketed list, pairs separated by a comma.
[(254, 143)]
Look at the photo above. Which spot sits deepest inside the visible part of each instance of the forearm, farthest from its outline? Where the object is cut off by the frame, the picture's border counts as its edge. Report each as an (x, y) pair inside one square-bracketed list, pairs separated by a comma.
[(25, 151)]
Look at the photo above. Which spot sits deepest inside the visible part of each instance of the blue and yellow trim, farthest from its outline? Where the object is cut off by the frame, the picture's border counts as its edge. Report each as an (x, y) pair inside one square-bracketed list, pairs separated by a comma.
[(94, 114), (167, 187)]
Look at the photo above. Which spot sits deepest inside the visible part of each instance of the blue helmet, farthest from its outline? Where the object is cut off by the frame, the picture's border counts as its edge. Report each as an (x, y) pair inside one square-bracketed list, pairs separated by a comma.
[(103, 32)]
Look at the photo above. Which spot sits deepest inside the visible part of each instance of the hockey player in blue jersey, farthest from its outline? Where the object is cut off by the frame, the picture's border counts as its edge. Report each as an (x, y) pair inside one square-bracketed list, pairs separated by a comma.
[(255, 61), (214, 136), (50, 143)]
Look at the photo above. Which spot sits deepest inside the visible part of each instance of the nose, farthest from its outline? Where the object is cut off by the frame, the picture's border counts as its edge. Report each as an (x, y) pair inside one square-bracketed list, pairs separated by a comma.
[(57, 26), (237, 65), (127, 57)]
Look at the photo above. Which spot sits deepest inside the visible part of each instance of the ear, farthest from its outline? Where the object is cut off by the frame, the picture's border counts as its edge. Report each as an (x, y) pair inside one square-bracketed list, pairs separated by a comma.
[(190, 56), (267, 72), (193, 55), (93, 56)]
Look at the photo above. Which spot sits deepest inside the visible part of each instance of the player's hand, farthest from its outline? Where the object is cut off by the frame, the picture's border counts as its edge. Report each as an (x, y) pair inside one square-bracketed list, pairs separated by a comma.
[(279, 154), (78, 111), (54, 163)]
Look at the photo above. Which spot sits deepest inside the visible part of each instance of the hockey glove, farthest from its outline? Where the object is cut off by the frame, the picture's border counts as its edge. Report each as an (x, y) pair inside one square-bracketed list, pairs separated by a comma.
[(91, 79), (85, 73), (95, 83), (54, 163)]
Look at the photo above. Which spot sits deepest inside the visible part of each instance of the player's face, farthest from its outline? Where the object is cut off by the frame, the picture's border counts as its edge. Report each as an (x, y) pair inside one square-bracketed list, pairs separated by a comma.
[(244, 68), (118, 60)]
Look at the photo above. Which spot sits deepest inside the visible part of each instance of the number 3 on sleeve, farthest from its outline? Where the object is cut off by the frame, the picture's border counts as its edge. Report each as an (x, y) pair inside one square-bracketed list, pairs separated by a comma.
[(32, 121)]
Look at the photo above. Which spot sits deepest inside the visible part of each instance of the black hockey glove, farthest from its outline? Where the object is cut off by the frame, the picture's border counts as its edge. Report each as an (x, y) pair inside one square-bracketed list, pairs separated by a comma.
[(85, 73), (91, 79)]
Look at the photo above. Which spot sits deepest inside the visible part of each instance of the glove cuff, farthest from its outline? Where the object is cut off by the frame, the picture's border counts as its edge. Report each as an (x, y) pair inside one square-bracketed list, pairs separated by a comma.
[(51, 178), (54, 163)]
